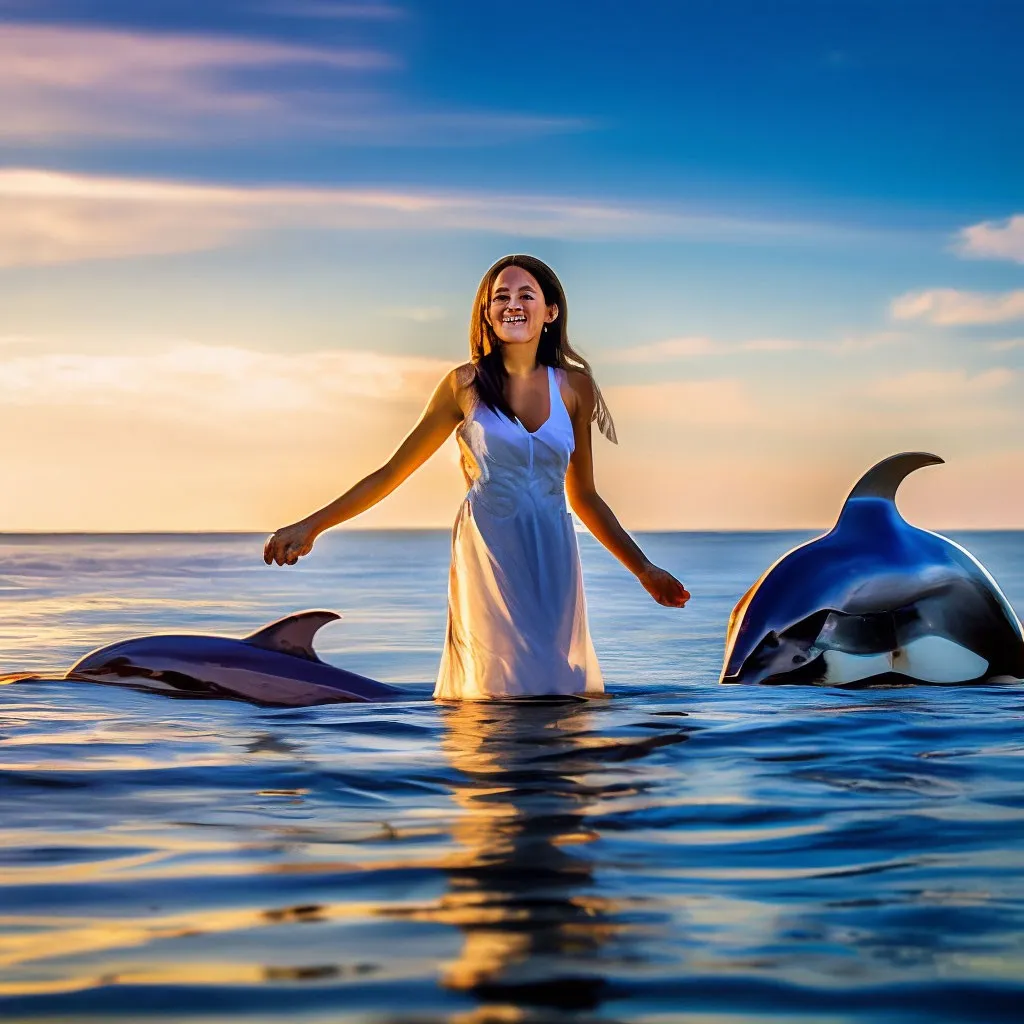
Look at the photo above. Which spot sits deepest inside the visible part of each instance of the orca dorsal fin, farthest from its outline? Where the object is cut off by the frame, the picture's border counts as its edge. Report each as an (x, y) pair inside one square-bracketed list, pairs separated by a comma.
[(293, 634), (883, 479)]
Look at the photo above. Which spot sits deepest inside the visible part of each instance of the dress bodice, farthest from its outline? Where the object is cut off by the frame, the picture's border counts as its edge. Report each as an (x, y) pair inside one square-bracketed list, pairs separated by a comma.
[(508, 465)]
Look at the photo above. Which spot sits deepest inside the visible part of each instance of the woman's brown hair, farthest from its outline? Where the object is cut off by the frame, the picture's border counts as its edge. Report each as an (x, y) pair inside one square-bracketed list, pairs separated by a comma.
[(554, 349)]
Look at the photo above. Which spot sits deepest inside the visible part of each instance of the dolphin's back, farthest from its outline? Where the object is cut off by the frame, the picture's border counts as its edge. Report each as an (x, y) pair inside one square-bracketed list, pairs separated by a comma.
[(213, 666)]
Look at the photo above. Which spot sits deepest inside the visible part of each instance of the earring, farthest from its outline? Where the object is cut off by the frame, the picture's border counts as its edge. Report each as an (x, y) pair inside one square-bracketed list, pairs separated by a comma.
[(545, 328)]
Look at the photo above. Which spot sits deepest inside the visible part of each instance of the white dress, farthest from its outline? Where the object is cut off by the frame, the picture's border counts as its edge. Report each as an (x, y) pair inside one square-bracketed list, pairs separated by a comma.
[(517, 620)]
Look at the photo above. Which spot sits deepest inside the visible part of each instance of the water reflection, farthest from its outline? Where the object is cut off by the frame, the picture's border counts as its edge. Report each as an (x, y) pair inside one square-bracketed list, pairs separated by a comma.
[(521, 887)]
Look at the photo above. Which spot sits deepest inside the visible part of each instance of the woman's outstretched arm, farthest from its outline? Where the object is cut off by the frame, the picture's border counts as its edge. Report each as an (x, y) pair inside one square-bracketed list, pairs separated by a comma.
[(440, 417), (595, 513)]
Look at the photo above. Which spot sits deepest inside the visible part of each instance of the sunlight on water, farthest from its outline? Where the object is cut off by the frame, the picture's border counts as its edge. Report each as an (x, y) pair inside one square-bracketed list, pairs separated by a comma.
[(678, 852)]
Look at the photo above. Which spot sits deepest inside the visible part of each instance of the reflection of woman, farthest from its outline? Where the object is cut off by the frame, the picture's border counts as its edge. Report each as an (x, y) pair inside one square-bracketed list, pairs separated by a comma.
[(522, 408), (518, 889)]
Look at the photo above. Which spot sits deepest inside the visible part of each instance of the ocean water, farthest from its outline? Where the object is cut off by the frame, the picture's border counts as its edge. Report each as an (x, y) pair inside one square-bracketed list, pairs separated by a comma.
[(681, 851)]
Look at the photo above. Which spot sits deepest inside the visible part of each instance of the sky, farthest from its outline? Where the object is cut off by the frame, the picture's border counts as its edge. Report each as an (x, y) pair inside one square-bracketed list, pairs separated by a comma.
[(239, 242)]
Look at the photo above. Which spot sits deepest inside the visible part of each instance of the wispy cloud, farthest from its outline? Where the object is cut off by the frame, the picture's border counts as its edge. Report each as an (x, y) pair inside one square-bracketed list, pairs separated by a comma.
[(51, 217), (217, 437), (935, 384), (1006, 344), (327, 11), (68, 83), (856, 343), (695, 347), (190, 380), (669, 350), (948, 307), (724, 401), (71, 84), (211, 434), (419, 314), (698, 346), (994, 239)]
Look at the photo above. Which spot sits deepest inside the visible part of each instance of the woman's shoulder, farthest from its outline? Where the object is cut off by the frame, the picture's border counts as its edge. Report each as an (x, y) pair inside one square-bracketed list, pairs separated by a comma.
[(463, 375), (461, 379), (578, 380), (580, 385)]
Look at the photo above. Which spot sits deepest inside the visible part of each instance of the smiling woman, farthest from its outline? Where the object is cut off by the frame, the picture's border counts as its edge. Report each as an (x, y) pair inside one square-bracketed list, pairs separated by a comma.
[(522, 410)]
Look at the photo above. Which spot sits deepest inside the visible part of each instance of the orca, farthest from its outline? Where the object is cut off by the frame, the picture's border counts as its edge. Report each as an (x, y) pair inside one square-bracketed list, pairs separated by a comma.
[(274, 667), (875, 600)]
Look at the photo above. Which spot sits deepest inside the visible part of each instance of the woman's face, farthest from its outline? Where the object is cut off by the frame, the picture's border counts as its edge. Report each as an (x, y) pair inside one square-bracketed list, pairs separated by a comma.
[(516, 311)]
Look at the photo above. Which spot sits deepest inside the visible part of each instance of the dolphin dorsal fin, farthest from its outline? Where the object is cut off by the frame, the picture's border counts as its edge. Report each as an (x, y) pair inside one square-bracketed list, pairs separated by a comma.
[(883, 480), (293, 634)]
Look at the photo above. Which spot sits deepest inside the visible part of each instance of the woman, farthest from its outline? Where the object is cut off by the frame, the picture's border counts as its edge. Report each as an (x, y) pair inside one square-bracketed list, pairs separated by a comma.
[(521, 409)]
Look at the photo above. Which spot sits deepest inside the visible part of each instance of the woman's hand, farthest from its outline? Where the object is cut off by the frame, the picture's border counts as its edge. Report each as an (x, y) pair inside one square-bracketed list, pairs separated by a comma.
[(663, 587), (289, 544)]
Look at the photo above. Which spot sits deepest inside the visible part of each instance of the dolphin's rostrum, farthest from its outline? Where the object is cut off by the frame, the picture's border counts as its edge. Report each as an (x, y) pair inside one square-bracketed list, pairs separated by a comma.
[(875, 599), (275, 666)]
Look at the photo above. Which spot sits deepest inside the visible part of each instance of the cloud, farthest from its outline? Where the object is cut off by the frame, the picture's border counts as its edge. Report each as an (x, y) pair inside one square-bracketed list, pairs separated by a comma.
[(857, 343), (772, 345), (186, 381), (332, 11), (993, 239), (698, 346), (220, 437), (52, 217), (945, 384), (664, 351), (717, 402), (201, 437), (71, 84), (949, 307), (419, 314), (1006, 344), (694, 347)]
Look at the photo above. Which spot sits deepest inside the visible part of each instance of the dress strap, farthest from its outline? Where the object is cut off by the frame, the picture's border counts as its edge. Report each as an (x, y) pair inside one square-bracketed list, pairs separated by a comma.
[(554, 389)]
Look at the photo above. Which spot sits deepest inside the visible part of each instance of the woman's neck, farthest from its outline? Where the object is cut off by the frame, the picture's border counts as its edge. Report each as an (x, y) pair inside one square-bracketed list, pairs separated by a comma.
[(519, 360)]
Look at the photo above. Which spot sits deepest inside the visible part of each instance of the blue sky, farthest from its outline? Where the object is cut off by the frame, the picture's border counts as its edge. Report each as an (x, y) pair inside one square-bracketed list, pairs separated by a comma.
[(791, 220), (908, 105)]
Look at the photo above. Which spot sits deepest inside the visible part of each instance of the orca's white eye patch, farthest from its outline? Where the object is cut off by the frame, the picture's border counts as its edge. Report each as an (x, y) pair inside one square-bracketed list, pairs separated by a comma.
[(934, 659)]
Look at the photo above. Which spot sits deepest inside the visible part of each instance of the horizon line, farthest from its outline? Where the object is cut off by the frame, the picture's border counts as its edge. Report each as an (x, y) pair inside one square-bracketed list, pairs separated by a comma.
[(447, 529)]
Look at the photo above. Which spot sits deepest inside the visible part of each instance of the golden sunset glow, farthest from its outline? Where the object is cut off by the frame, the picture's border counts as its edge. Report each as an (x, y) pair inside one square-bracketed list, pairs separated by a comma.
[(205, 437)]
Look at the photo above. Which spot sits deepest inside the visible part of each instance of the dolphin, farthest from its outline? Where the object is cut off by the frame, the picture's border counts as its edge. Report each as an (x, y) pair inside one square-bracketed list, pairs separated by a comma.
[(276, 666), (875, 600)]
